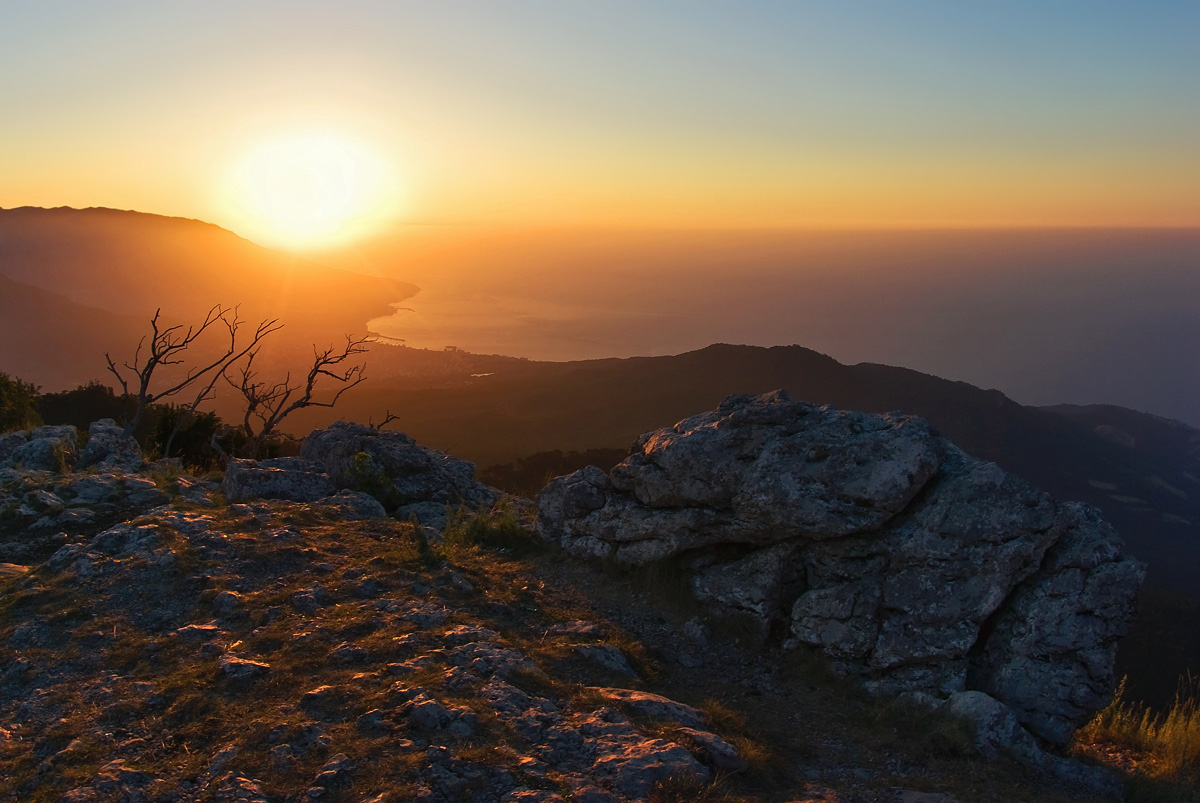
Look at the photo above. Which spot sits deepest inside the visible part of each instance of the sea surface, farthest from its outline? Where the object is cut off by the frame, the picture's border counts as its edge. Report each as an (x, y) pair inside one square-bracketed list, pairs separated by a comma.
[(1047, 316)]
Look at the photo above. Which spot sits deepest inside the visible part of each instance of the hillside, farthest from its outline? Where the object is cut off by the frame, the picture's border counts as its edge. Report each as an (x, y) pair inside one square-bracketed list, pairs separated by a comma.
[(302, 652), (35, 323), (108, 268)]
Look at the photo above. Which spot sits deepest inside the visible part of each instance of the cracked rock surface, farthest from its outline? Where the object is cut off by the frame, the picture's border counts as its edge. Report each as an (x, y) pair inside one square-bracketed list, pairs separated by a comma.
[(910, 564)]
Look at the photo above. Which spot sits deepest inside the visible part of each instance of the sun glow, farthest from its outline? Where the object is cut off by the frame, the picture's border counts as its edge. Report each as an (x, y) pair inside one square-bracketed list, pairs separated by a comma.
[(311, 189)]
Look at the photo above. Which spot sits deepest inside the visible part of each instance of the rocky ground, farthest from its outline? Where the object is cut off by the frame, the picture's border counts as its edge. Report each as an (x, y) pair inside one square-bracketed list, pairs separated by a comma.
[(277, 651), (159, 643)]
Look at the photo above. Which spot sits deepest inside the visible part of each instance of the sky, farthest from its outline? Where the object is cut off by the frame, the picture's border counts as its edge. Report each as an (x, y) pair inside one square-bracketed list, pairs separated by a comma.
[(666, 114)]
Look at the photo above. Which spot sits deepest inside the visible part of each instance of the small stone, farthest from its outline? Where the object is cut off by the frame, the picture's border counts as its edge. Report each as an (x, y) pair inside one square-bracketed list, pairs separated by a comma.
[(608, 657), (347, 653), (654, 706), (283, 759), (371, 721), (221, 759), (197, 632), (577, 627), (696, 632), (326, 700), (242, 669), (226, 603), (713, 750)]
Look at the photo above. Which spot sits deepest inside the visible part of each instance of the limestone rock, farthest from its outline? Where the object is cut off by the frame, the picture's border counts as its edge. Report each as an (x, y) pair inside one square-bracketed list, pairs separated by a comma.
[(354, 506), (998, 731), (909, 563), (756, 584), (108, 446), (393, 468), (50, 448), (713, 750), (242, 668), (92, 489), (755, 471), (10, 442), (1051, 650), (654, 706), (291, 478), (607, 657)]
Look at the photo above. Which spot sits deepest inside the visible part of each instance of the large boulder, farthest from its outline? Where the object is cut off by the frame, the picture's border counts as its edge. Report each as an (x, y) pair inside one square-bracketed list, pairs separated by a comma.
[(393, 468), (910, 564), (108, 446), (49, 448)]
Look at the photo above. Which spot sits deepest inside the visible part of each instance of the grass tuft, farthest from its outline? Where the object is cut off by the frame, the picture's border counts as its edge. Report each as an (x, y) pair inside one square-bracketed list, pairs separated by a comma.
[(498, 530), (678, 790), (1160, 750)]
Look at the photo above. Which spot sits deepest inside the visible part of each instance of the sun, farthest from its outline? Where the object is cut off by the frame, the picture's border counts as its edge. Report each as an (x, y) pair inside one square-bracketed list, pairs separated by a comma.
[(310, 189)]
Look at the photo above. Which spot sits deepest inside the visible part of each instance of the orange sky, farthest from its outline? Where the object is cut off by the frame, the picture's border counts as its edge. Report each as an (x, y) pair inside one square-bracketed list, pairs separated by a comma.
[(704, 115)]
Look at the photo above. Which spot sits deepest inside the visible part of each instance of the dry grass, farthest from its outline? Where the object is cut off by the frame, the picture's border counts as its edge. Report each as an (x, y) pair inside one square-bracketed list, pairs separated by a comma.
[(498, 530), (688, 791), (1159, 750)]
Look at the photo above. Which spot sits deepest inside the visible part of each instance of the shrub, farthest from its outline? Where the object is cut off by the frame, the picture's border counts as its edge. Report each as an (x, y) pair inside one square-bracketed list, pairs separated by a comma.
[(368, 476), (192, 444), (18, 404), (83, 405)]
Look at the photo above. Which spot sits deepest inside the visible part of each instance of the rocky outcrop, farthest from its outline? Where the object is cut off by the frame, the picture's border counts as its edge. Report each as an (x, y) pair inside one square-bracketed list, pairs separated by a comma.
[(408, 480), (911, 565), (52, 494), (50, 448), (108, 446), (332, 653), (290, 478), (393, 468)]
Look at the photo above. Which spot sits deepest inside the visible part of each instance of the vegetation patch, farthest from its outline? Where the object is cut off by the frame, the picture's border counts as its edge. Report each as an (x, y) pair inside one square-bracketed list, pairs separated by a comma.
[(1158, 750)]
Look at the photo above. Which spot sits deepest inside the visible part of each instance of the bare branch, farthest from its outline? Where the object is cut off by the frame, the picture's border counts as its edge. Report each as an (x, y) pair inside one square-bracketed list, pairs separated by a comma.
[(167, 346), (207, 392), (269, 404)]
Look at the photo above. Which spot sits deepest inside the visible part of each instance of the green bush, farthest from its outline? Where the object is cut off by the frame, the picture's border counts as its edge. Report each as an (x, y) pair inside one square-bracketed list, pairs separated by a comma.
[(85, 404), (18, 404), (192, 444), (368, 477)]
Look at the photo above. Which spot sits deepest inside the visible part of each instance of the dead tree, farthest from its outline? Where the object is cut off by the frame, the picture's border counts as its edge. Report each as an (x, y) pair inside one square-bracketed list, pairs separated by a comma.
[(167, 346), (388, 418), (263, 329), (268, 404)]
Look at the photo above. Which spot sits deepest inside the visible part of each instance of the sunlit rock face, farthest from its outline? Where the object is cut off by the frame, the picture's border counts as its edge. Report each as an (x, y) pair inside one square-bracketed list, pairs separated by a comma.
[(910, 564)]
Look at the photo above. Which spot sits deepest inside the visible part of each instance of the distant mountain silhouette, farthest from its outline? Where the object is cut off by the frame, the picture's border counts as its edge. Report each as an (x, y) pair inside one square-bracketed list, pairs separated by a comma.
[(47, 339), (131, 263)]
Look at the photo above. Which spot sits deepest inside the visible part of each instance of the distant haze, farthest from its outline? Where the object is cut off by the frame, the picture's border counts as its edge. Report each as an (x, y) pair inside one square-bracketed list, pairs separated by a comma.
[(1081, 316), (1047, 317)]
